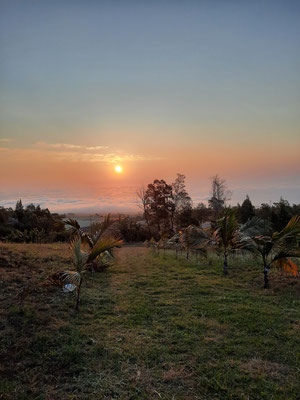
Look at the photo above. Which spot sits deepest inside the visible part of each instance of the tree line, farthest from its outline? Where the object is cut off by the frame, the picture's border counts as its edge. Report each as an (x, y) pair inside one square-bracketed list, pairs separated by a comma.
[(168, 208), (31, 224)]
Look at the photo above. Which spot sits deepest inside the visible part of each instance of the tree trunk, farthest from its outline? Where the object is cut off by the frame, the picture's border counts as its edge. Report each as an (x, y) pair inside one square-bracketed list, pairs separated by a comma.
[(266, 277), (78, 295), (187, 254), (225, 265), (148, 224)]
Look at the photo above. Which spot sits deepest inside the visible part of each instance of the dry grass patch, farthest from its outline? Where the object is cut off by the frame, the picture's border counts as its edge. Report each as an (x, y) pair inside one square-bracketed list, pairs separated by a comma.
[(177, 374), (257, 367), (216, 332)]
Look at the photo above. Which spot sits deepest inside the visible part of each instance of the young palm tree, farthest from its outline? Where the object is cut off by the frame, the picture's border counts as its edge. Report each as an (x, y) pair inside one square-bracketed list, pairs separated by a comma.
[(189, 239), (175, 243), (98, 230), (275, 248), (225, 235), (83, 256)]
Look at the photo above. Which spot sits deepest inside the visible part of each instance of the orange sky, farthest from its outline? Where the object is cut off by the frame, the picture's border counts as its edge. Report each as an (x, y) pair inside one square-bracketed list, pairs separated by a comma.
[(88, 171)]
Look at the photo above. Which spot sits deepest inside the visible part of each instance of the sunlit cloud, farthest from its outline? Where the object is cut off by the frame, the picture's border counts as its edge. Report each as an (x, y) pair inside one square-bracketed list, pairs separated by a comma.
[(59, 152), (68, 146), (6, 140)]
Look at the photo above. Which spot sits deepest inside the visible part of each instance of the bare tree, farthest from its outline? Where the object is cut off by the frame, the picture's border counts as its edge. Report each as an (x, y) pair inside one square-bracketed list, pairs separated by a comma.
[(219, 193)]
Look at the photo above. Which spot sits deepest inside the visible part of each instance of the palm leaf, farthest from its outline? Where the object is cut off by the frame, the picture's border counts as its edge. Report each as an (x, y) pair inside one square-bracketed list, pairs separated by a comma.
[(79, 256), (102, 245), (99, 229), (287, 265), (227, 228), (75, 229), (86, 239), (73, 223), (255, 226), (71, 277), (291, 230), (193, 237)]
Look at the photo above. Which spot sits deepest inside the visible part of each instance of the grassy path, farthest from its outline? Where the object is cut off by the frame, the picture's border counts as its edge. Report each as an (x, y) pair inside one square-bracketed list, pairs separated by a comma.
[(151, 327)]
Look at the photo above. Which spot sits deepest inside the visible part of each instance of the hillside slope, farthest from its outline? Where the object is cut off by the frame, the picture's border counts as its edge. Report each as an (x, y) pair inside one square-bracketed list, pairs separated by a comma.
[(151, 327)]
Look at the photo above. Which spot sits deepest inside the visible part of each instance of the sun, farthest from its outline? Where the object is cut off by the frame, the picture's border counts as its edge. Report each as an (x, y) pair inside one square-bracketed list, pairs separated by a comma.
[(118, 169)]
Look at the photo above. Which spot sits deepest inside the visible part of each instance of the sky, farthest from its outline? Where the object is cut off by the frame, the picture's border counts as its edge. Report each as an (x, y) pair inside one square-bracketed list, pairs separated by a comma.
[(158, 87)]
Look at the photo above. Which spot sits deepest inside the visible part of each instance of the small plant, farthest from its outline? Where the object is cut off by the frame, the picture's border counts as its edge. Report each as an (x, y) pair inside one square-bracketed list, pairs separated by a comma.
[(189, 239), (83, 257), (225, 235)]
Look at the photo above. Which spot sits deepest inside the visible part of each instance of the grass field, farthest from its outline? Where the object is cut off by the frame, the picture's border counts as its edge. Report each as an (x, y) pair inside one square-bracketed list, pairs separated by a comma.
[(151, 327)]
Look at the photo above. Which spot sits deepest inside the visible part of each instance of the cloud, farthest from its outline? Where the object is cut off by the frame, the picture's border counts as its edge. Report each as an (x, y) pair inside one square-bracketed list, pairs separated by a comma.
[(68, 146), (66, 152), (6, 140)]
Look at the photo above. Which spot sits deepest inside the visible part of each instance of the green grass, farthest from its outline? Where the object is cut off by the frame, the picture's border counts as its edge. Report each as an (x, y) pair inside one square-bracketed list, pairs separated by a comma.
[(151, 327)]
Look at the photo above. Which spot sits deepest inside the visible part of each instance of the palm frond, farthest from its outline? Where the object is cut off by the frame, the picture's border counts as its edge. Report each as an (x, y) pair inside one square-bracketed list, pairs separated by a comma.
[(86, 239), (75, 229), (103, 244), (291, 230), (287, 265), (79, 256), (193, 237), (256, 226), (99, 229), (227, 228), (103, 261), (73, 223), (71, 277), (285, 252)]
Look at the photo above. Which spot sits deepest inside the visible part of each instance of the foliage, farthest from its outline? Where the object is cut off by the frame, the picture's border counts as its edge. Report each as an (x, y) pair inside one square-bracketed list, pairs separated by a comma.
[(96, 241), (85, 258), (159, 206), (190, 239), (31, 224), (275, 248), (133, 230), (245, 211), (225, 234)]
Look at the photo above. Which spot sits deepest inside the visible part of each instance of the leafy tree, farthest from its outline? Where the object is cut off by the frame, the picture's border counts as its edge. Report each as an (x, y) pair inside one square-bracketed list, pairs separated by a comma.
[(132, 230), (182, 203), (201, 214), (265, 212), (19, 209), (282, 213), (275, 248), (141, 193), (246, 210), (159, 205), (31, 224)]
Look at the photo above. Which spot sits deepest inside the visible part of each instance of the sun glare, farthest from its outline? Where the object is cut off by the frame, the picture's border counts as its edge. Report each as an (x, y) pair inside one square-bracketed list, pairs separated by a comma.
[(118, 169)]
